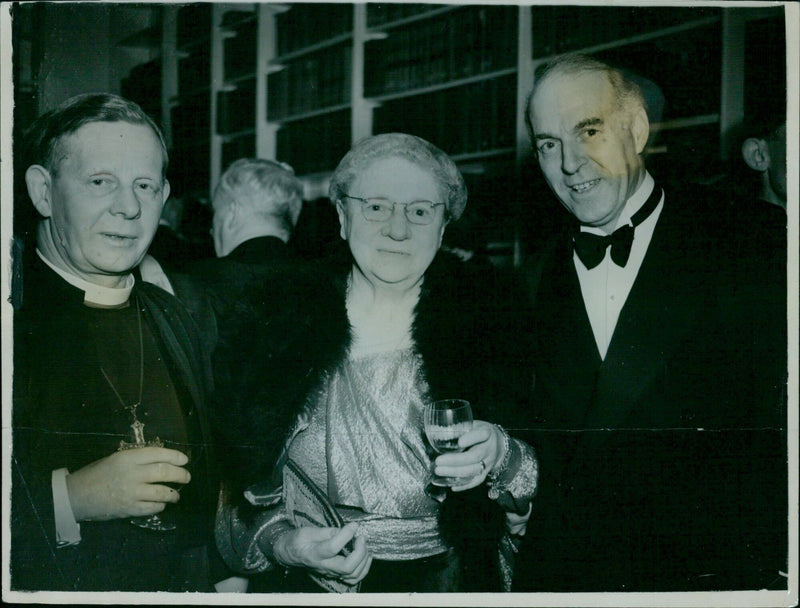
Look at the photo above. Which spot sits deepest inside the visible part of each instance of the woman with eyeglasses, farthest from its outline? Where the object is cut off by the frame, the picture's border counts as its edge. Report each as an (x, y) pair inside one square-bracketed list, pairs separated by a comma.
[(337, 373)]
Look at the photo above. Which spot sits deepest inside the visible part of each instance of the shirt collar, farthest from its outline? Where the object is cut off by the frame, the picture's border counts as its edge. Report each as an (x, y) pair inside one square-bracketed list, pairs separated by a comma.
[(95, 295)]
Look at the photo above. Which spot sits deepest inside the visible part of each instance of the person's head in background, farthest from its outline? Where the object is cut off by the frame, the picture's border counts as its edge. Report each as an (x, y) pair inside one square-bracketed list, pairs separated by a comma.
[(97, 177), (764, 151), (255, 198)]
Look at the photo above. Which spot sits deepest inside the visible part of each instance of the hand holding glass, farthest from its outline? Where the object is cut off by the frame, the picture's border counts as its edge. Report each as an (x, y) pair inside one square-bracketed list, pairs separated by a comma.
[(445, 421), (149, 522)]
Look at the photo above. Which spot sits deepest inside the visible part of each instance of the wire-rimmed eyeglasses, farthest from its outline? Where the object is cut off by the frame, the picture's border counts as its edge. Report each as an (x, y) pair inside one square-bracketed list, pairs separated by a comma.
[(378, 209)]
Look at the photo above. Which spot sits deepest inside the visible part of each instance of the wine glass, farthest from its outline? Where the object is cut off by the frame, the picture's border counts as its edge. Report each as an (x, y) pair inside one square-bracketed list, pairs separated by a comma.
[(445, 421), (149, 522)]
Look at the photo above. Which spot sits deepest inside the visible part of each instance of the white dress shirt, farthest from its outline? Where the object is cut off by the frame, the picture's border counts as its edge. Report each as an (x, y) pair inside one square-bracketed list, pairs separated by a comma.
[(605, 287)]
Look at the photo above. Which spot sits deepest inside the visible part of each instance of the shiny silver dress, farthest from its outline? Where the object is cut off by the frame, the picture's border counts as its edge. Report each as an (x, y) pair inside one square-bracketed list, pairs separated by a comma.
[(361, 440)]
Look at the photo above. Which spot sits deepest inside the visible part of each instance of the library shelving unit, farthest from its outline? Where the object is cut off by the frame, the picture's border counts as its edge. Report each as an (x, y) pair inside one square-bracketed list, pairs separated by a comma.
[(302, 82)]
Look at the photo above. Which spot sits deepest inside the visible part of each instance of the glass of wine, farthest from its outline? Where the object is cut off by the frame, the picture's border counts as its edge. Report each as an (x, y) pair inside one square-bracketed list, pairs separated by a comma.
[(149, 522), (445, 421)]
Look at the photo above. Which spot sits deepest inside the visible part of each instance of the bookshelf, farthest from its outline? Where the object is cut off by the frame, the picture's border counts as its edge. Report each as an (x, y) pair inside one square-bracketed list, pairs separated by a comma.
[(302, 82), (391, 67)]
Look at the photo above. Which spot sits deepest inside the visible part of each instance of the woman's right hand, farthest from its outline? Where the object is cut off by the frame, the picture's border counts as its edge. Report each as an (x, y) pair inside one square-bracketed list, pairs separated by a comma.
[(320, 550)]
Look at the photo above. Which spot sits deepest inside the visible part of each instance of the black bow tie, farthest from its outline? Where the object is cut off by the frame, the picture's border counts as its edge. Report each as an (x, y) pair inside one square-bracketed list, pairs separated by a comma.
[(591, 248)]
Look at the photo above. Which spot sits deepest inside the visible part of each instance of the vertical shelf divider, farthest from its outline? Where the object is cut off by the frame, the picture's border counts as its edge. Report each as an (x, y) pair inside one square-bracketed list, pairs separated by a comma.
[(525, 67), (266, 139), (215, 86), (361, 108)]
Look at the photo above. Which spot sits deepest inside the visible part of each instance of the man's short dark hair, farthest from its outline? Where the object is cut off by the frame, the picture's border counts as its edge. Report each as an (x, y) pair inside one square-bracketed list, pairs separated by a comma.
[(42, 140)]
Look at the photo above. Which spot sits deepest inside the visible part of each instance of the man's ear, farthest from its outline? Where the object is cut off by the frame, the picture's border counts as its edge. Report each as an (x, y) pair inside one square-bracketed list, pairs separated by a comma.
[(295, 210), (342, 220), (441, 233), (640, 127), (38, 180), (231, 215), (755, 153), (165, 192)]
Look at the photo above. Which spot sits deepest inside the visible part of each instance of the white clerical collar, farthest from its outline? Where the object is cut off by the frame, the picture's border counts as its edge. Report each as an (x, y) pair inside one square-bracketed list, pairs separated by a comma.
[(95, 295), (633, 205)]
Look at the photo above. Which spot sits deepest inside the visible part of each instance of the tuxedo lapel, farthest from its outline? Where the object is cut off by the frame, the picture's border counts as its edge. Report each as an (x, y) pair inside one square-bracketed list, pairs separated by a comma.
[(567, 353), (664, 300)]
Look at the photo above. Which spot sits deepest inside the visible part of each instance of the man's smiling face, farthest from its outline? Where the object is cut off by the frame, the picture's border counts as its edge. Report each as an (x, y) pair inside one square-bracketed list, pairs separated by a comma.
[(104, 200), (588, 145)]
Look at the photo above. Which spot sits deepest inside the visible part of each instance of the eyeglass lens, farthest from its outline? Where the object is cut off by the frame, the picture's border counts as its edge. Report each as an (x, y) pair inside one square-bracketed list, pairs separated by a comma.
[(380, 210)]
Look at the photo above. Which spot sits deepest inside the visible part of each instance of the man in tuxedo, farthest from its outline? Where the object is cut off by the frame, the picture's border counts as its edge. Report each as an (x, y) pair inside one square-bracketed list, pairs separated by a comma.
[(663, 457), (103, 364)]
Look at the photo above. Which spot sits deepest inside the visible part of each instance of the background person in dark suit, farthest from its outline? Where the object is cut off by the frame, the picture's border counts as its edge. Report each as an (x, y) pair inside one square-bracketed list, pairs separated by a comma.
[(103, 361), (256, 206), (256, 203), (663, 460)]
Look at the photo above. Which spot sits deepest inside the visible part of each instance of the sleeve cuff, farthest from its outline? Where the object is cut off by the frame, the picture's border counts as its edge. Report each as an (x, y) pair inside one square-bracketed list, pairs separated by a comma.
[(515, 486), (68, 531), (259, 554)]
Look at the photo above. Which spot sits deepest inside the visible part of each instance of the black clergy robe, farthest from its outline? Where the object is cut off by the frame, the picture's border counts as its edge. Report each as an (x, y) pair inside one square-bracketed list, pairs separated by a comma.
[(66, 415)]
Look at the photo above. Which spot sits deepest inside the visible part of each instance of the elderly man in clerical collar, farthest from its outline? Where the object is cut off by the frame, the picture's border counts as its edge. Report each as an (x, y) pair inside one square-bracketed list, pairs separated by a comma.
[(109, 426)]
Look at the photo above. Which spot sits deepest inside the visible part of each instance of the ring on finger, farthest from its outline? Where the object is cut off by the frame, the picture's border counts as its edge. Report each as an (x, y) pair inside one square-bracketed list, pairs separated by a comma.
[(483, 466)]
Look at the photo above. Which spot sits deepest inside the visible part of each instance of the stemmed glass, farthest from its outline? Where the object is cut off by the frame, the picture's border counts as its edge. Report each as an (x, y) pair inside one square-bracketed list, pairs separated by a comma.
[(149, 522), (445, 421)]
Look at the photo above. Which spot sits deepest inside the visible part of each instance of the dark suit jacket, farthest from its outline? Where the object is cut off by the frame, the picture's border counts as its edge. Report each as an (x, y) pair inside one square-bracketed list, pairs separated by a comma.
[(175, 252), (663, 467), (211, 289), (65, 416)]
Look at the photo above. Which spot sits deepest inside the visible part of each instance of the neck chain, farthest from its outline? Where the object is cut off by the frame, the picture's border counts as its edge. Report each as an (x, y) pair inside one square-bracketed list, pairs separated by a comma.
[(137, 425)]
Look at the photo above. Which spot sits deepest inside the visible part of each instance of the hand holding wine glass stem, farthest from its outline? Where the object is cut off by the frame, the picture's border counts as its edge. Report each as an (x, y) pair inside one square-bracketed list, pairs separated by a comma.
[(128, 483)]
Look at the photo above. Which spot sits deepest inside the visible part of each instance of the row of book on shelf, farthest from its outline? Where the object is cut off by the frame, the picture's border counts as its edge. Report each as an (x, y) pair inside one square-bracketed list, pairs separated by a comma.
[(236, 109), (559, 29), (470, 41), (304, 25), (383, 13), (240, 50), (468, 119), (143, 85), (193, 24), (311, 82), (194, 71)]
